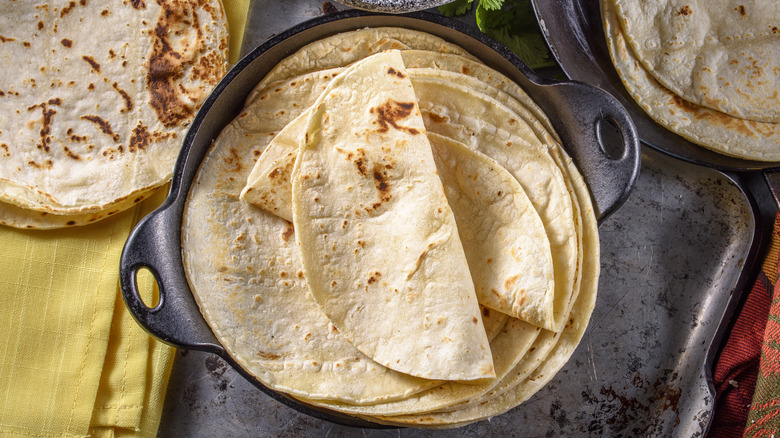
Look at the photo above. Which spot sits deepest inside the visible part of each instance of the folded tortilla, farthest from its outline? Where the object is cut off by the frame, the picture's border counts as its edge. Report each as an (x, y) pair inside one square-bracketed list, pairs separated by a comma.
[(379, 242)]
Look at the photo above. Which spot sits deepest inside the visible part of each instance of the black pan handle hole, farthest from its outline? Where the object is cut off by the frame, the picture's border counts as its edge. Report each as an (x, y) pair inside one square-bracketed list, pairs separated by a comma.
[(610, 138), (147, 288)]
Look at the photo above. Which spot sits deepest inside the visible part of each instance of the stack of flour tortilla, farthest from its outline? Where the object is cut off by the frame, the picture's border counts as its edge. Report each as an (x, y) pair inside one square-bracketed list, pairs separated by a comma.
[(706, 70), (391, 230), (95, 99)]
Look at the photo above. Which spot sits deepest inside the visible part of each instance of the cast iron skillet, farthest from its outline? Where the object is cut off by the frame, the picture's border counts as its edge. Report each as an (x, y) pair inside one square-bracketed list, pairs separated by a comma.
[(576, 111)]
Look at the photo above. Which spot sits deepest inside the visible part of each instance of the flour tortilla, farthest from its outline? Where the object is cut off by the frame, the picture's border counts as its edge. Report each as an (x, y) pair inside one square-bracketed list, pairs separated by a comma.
[(94, 102), (268, 189), (378, 240), (550, 351), (243, 266), (720, 54), (18, 217), (486, 125), (709, 128), (348, 47), (233, 224), (504, 239)]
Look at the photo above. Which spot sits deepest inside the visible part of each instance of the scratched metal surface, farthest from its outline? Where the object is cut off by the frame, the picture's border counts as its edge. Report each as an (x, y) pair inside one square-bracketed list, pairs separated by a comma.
[(670, 259)]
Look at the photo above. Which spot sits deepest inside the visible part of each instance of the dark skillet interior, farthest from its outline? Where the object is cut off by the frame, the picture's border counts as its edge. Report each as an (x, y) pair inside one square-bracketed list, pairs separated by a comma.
[(574, 33), (155, 244)]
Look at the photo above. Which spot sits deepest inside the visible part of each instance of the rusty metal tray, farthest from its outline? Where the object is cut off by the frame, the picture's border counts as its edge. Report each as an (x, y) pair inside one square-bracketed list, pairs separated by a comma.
[(674, 258)]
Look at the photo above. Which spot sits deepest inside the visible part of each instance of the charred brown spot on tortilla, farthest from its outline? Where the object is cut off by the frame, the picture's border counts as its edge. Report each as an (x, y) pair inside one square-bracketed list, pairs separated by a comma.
[(4, 39), (509, 282), (741, 10), (393, 72), (26, 44), (6, 152), (268, 356), (47, 114), (288, 232), (389, 113), (70, 153), (105, 12), (359, 160), (380, 180), (435, 118), (40, 25), (66, 10), (464, 69), (167, 66), (713, 117), (74, 137), (105, 126), (91, 61), (140, 138), (685, 10), (233, 161), (125, 96), (374, 277), (66, 42)]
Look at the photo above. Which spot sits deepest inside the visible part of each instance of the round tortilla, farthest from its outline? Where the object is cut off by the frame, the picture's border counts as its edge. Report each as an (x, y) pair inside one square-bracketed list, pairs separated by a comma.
[(550, 351), (94, 114), (365, 190), (348, 47), (252, 270), (709, 128), (232, 299), (720, 54)]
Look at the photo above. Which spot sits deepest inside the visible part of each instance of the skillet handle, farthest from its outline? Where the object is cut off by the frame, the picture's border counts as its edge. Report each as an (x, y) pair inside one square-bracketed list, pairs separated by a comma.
[(609, 163), (176, 318)]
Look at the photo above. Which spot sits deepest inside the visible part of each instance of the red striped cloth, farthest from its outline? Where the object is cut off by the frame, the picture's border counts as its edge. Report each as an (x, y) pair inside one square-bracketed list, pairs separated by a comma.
[(747, 372)]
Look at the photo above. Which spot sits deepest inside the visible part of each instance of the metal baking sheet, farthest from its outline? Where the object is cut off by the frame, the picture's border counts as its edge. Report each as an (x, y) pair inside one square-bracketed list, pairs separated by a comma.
[(672, 257)]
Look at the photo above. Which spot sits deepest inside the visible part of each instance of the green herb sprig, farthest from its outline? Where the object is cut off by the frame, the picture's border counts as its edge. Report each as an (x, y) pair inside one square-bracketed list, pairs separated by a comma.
[(510, 22)]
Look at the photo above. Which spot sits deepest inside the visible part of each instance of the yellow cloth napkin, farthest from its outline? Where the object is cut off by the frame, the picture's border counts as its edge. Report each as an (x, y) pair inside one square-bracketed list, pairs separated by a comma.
[(73, 362)]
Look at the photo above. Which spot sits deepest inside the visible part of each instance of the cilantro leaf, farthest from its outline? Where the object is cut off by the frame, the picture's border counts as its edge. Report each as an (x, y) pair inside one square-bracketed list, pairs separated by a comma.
[(491, 5), (456, 8), (514, 26)]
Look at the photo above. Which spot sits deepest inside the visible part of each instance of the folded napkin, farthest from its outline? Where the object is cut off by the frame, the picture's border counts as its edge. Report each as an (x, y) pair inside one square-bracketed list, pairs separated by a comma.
[(747, 372), (73, 362)]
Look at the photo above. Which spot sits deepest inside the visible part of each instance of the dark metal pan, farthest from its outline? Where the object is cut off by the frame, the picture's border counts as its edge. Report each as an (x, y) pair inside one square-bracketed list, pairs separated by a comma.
[(576, 111), (573, 31)]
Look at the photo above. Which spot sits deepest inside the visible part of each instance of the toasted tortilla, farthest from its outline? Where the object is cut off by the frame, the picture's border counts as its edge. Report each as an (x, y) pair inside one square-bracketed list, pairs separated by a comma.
[(241, 289), (94, 113), (379, 242), (504, 239), (250, 270), (550, 351), (722, 54), (267, 185), (709, 128), (348, 47)]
